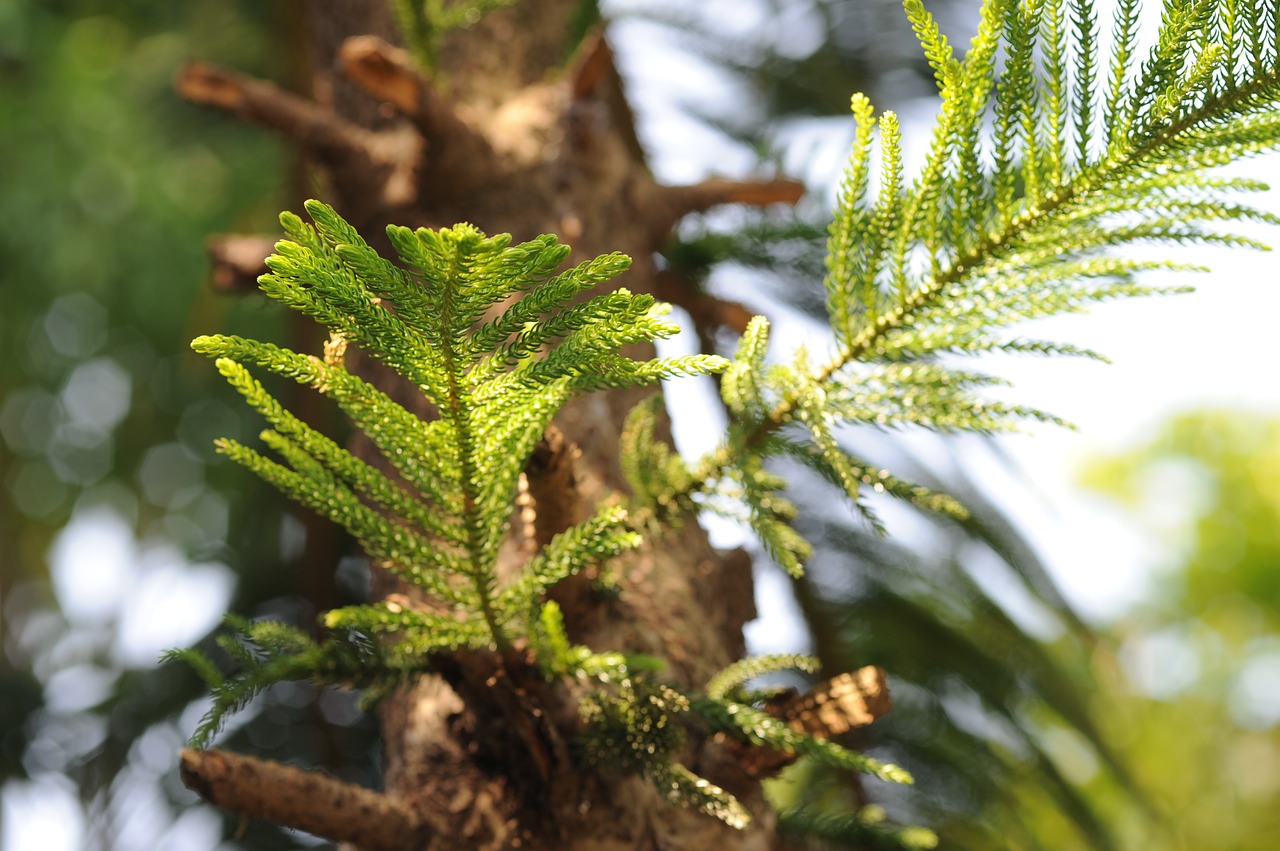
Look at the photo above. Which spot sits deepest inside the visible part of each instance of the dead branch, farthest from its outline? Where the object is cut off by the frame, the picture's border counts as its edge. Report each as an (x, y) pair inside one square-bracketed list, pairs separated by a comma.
[(391, 75), (309, 124), (307, 800), (716, 191), (840, 704), (589, 65), (237, 260)]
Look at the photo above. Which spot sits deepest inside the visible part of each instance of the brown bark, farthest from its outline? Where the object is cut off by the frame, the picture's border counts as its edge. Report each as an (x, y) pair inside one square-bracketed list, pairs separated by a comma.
[(513, 139), (307, 800)]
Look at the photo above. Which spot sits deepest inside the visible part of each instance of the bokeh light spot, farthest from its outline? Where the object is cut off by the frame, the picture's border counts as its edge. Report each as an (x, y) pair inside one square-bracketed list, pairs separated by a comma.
[(170, 476), (96, 395), (94, 564)]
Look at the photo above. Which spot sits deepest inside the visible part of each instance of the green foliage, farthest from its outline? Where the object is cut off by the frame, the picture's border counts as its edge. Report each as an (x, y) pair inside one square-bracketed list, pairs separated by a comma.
[(759, 728), (681, 786), (1025, 192), (729, 682), (494, 375), (656, 473), (1033, 181), (269, 652), (1003, 224), (1189, 685), (636, 725)]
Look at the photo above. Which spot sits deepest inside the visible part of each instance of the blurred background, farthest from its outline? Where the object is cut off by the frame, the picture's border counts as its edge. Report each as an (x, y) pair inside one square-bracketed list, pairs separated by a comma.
[(1092, 662)]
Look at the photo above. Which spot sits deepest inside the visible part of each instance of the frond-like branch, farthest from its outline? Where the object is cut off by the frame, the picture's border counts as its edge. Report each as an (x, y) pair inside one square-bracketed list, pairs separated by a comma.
[(1031, 184), (440, 519)]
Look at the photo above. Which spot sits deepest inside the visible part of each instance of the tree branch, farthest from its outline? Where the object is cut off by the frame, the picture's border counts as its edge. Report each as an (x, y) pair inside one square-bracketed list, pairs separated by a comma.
[(589, 64), (838, 705), (596, 98), (716, 191), (307, 800), (309, 124), (390, 74), (237, 260)]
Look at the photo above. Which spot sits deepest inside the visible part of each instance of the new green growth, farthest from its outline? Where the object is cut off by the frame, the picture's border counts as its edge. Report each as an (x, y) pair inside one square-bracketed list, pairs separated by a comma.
[(1047, 160)]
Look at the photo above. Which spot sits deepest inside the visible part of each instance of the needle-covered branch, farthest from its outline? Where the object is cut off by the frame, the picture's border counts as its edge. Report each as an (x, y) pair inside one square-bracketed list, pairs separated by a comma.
[(921, 272)]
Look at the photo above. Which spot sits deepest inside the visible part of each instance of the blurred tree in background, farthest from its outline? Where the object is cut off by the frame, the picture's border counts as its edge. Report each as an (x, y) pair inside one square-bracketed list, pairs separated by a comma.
[(111, 184), (1194, 694)]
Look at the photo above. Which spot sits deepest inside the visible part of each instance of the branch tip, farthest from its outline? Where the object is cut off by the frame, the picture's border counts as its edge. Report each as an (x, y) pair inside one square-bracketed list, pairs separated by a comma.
[(589, 65), (391, 75), (206, 84), (385, 71)]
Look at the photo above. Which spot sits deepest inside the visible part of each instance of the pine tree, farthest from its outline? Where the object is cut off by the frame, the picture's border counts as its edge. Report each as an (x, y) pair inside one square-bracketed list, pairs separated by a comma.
[(539, 581)]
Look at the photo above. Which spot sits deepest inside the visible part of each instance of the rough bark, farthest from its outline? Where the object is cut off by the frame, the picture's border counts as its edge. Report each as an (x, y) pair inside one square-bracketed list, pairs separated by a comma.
[(514, 138)]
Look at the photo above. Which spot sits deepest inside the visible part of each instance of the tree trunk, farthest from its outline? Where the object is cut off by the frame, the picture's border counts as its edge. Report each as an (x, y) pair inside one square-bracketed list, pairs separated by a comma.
[(524, 133)]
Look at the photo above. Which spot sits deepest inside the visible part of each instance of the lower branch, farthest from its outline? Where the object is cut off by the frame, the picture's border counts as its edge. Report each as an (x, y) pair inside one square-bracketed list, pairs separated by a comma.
[(311, 801)]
